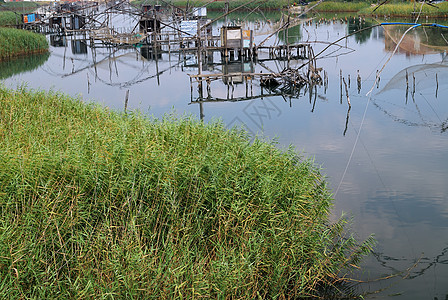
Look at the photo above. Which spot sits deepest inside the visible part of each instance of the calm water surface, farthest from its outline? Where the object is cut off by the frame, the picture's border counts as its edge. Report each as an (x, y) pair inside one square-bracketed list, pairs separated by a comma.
[(388, 171)]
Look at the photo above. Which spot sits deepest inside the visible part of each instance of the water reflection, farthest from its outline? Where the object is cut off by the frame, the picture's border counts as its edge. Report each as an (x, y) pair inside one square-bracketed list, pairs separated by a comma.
[(58, 40), (420, 41), (356, 24), (22, 64), (79, 47)]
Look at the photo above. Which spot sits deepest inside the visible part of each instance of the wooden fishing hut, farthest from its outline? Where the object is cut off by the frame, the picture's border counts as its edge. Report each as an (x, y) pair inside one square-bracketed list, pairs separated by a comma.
[(236, 41), (31, 21), (67, 21), (30, 18)]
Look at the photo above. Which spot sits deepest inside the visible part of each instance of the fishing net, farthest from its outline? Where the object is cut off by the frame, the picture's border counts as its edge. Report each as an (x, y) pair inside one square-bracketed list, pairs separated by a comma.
[(426, 76), (416, 96)]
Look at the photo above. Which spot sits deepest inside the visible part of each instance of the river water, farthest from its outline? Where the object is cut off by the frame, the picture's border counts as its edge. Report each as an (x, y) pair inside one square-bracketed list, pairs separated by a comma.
[(385, 158)]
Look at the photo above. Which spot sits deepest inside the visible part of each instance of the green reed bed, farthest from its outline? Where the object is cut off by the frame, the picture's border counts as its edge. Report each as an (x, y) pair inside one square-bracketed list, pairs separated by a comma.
[(336, 6), (16, 42), (8, 18), (100, 204), (407, 9)]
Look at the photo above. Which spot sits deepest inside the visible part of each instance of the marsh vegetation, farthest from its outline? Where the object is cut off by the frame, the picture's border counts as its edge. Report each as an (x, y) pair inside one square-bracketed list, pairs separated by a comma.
[(16, 42), (96, 203)]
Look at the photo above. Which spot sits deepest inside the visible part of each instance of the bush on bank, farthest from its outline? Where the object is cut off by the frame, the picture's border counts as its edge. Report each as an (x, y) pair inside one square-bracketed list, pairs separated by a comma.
[(16, 42), (97, 204)]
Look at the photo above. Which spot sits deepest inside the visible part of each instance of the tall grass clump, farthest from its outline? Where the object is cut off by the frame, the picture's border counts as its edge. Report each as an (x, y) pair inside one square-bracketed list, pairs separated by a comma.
[(336, 6), (8, 18), (16, 42), (100, 204)]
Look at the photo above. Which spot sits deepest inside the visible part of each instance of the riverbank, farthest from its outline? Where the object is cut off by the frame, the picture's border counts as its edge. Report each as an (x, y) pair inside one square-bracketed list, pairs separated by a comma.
[(98, 203), (17, 42), (439, 10), (392, 9)]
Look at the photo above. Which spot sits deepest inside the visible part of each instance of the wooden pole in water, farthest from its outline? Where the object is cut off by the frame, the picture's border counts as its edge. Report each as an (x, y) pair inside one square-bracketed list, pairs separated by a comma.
[(346, 93), (247, 85), (379, 78), (310, 91), (201, 111), (407, 80), (209, 92), (251, 87), (169, 48), (358, 79), (413, 83), (437, 85), (340, 84), (88, 84), (154, 45), (407, 93), (346, 120), (191, 89), (126, 99)]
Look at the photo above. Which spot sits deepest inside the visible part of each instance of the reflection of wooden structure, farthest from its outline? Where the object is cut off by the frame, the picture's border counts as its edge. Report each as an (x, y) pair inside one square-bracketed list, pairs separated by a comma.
[(236, 70), (287, 80), (156, 33)]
